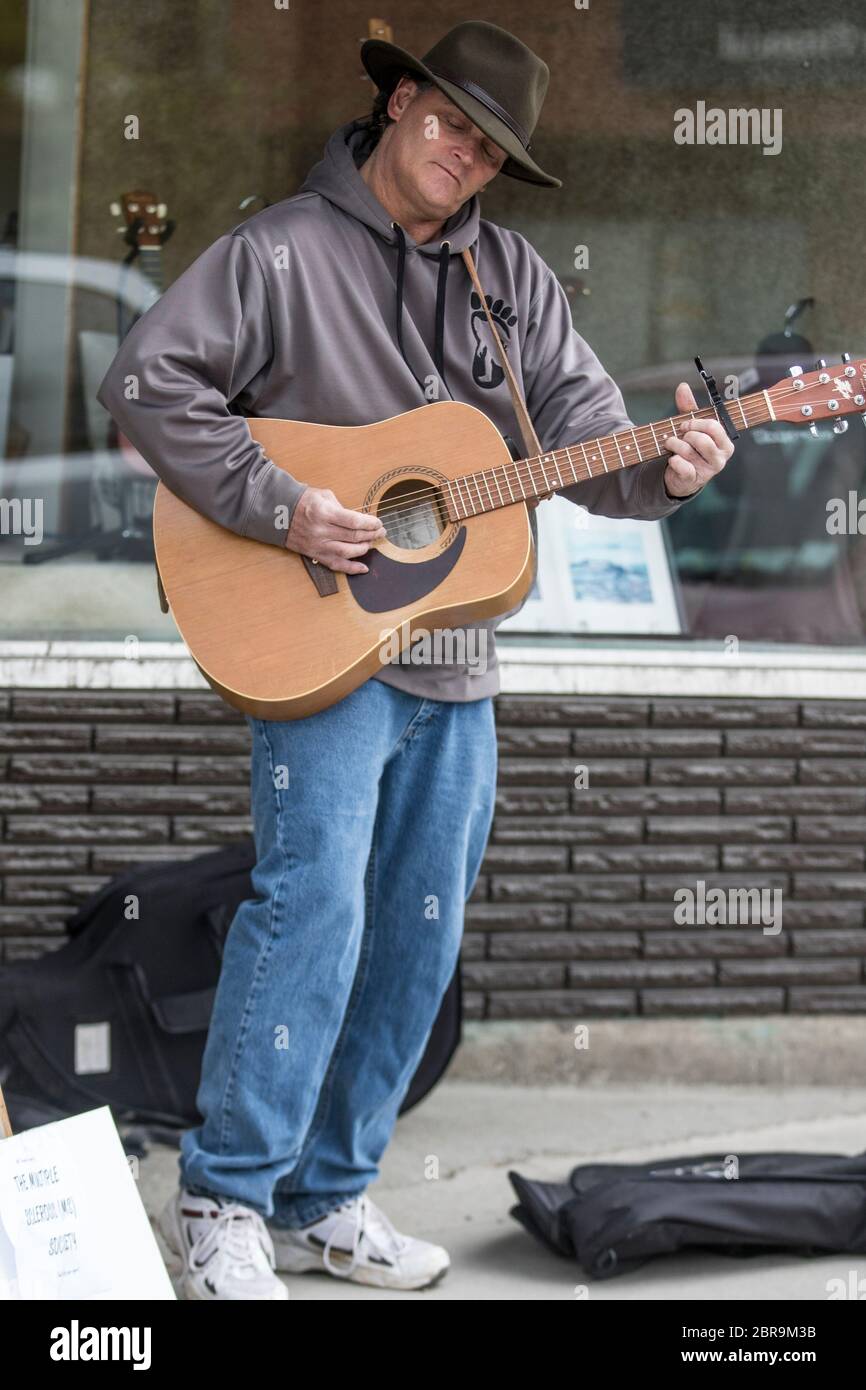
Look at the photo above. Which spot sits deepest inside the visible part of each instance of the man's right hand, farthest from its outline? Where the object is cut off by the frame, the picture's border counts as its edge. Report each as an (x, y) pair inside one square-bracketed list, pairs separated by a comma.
[(324, 530)]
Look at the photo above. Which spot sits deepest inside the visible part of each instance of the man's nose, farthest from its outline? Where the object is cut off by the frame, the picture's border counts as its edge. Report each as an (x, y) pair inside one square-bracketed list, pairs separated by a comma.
[(464, 154)]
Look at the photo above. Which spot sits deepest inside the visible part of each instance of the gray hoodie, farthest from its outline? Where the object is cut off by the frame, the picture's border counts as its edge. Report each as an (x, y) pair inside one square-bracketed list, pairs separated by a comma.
[(320, 308)]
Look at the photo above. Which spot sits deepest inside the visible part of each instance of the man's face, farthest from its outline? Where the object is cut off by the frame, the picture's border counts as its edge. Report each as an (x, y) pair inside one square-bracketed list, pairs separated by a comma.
[(439, 157)]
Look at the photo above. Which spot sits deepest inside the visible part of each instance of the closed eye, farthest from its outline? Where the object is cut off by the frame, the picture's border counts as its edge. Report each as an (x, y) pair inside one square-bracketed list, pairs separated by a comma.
[(490, 154)]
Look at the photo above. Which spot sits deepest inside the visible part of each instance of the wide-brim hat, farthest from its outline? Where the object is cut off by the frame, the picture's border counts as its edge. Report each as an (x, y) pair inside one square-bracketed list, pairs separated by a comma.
[(493, 78)]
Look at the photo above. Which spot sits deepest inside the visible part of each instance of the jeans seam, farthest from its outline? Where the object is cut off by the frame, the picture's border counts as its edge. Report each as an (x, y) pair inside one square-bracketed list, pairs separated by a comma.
[(422, 715), (324, 1099), (258, 974)]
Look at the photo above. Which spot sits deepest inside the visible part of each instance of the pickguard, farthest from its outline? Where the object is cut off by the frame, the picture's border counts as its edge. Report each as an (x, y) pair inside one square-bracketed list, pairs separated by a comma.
[(390, 584)]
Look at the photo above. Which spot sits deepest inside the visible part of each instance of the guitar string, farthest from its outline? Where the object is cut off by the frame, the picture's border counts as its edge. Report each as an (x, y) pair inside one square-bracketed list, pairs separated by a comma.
[(392, 510), (537, 460)]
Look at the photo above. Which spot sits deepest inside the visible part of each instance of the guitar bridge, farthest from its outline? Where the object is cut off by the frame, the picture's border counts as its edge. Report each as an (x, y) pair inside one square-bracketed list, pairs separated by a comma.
[(324, 579)]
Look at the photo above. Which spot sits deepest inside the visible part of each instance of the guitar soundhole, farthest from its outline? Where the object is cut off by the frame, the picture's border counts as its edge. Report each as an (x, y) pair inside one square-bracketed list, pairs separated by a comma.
[(412, 513)]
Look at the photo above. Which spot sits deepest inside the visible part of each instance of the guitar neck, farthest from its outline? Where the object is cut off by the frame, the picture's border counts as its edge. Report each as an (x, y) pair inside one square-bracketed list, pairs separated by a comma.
[(150, 263), (509, 483)]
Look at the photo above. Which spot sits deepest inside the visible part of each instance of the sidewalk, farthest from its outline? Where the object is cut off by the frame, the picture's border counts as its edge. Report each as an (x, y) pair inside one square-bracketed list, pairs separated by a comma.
[(478, 1130)]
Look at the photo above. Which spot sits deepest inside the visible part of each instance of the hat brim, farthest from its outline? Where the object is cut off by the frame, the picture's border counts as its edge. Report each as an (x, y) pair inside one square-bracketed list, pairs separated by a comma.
[(386, 62)]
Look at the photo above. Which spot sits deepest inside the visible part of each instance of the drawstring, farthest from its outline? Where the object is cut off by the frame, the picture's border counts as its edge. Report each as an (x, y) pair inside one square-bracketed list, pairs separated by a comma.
[(401, 265), (441, 282)]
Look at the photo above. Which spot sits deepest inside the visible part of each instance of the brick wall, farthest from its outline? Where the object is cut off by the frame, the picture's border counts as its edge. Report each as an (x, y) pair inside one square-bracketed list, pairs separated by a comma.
[(573, 913)]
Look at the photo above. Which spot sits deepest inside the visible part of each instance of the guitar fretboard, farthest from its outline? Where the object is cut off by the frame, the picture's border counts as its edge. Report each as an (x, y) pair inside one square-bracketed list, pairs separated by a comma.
[(518, 481), (150, 264)]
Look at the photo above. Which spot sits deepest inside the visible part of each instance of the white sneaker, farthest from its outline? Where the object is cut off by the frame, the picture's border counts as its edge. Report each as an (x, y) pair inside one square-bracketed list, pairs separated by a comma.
[(357, 1241), (226, 1250)]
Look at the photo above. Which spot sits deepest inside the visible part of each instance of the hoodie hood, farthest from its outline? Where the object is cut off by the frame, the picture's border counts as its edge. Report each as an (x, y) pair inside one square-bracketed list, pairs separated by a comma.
[(337, 177)]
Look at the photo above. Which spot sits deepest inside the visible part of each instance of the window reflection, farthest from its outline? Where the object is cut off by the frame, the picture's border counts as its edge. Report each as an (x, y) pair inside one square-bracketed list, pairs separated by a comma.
[(689, 250)]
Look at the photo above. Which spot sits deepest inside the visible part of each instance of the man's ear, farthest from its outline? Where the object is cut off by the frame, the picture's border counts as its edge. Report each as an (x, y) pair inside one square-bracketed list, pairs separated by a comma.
[(400, 98)]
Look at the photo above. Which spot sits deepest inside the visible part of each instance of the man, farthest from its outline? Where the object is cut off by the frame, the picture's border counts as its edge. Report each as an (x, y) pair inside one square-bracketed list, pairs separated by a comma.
[(347, 304)]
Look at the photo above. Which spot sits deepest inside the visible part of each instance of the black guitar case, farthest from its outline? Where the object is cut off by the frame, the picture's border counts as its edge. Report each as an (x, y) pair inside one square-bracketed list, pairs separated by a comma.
[(145, 984), (613, 1217)]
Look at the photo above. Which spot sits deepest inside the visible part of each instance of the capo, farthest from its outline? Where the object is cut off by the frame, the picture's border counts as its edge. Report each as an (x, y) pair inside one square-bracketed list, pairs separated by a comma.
[(716, 400)]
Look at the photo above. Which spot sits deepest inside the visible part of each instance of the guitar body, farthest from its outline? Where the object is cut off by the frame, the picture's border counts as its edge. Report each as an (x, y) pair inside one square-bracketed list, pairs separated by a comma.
[(264, 636)]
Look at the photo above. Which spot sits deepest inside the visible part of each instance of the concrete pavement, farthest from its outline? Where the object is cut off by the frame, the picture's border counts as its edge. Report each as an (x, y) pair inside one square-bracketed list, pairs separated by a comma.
[(471, 1133)]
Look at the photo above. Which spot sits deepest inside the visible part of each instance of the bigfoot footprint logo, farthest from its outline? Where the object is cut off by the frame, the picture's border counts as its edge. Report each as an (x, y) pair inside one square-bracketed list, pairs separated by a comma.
[(486, 370)]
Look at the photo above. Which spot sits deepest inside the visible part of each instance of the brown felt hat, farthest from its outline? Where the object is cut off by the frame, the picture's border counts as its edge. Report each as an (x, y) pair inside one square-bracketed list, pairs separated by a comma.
[(490, 75)]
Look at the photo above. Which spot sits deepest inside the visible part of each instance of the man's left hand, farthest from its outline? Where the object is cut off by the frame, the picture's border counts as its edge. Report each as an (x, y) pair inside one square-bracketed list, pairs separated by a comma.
[(699, 455)]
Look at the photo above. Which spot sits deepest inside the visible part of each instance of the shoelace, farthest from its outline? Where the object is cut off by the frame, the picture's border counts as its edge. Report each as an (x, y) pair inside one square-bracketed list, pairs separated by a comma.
[(237, 1231), (371, 1222)]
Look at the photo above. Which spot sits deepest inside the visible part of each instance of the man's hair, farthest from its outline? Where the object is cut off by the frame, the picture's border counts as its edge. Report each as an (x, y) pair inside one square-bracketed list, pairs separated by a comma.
[(379, 119)]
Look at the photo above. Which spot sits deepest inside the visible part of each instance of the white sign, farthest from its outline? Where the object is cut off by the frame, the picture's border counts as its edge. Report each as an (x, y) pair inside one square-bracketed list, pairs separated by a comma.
[(72, 1223)]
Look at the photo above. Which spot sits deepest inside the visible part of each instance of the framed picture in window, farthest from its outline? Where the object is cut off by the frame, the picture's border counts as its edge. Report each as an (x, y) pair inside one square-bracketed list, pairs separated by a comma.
[(599, 575)]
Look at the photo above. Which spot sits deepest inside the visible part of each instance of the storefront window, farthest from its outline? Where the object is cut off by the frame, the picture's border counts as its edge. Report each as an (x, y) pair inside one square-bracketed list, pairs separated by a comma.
[(745, 251)]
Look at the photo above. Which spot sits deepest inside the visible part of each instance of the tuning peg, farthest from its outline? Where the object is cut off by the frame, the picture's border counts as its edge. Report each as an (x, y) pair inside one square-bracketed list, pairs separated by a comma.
[(863, 418), (840, 426), (814, 431), (114, 209), (820, 364), (846, 357), (161, 210), (795, 371)]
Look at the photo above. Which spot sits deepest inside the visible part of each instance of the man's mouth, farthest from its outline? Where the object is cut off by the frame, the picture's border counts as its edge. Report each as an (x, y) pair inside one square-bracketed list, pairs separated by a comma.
[(448, 171)]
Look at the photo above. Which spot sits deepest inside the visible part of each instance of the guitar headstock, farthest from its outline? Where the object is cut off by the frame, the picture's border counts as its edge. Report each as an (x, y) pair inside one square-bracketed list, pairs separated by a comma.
[(145, 220), (823, 394)]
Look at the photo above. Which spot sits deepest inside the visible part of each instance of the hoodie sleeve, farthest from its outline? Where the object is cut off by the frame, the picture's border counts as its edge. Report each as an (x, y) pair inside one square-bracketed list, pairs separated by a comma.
[(203, 343), (571, 398)]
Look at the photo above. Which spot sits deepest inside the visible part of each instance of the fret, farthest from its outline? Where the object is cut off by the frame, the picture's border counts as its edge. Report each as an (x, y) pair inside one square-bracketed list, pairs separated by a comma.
[(530, 465), (629, 451), (551, 458), (468, 503), (532, 483), (465, 508), (599, 444), (151, 264)]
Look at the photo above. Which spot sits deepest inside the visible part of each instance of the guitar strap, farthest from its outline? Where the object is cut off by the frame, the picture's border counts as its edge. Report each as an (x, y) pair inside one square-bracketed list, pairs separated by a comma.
[(530, 439)]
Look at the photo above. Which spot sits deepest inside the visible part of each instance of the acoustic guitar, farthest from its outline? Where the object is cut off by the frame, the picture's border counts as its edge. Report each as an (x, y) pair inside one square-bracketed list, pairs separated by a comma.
[(279, 637)]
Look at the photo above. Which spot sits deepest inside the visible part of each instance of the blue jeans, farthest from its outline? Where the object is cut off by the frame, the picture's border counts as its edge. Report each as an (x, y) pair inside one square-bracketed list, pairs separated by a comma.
[(371, 820)]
